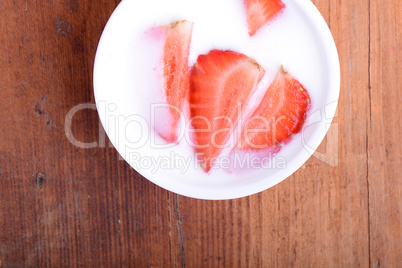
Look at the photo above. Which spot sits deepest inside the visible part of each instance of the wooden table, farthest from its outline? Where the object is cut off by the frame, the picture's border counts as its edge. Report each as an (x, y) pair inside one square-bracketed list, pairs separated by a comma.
[(65, 206)]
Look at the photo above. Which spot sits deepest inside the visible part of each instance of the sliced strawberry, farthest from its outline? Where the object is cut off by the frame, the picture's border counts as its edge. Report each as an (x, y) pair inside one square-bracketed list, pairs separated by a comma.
[(219, 82), (175, 75), (260, 12), (281, 114)]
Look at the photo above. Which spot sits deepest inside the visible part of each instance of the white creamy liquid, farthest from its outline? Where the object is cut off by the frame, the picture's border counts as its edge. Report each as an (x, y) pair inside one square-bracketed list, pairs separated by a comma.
[(218, 24)]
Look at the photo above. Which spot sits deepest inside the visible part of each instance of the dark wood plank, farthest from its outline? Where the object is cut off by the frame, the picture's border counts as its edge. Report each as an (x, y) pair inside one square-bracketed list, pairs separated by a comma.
[(61, 205), (88, 208)]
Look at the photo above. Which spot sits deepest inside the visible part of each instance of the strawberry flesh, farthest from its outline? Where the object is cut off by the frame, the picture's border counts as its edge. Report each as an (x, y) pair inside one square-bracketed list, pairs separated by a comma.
[(175, 72), (260, 12), (219, 82), (280, 115)]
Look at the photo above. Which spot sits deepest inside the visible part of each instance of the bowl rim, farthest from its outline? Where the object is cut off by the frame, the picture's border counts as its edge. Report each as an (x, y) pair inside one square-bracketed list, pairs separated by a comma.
[(334, 88)]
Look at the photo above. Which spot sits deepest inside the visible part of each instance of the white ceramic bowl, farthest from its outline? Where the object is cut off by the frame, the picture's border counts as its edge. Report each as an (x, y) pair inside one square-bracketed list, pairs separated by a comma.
[(119, 96)]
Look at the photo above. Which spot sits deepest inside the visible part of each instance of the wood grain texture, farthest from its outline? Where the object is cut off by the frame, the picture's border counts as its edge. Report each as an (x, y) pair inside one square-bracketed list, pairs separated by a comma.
[(65, 206), (384, 147)]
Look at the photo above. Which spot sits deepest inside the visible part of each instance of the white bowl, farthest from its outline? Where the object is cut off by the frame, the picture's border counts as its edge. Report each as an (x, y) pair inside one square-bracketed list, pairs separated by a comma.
[(120, 97)]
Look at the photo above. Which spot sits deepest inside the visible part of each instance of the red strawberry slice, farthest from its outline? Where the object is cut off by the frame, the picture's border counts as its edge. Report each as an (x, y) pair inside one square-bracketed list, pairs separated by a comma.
[(219, 81), (175, 75), (281, 114), (260, 12)]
